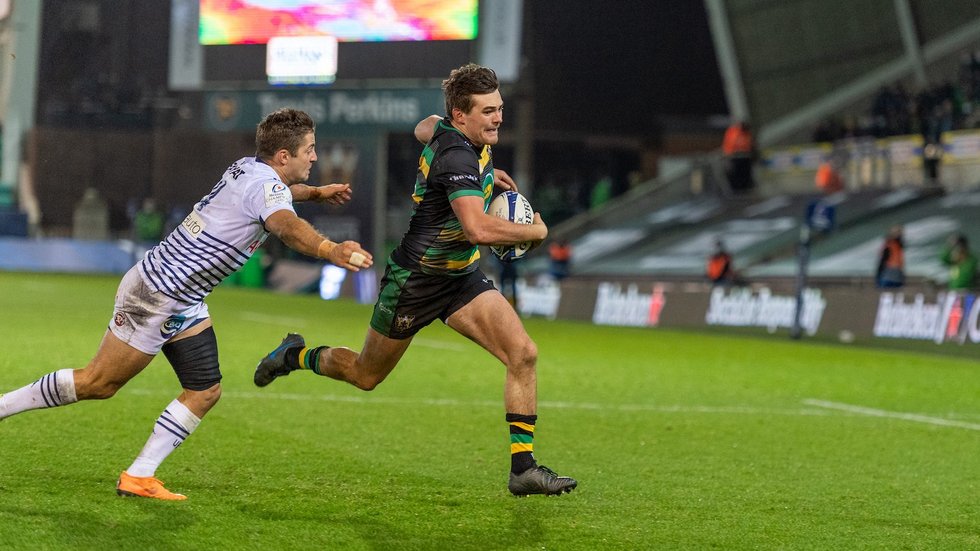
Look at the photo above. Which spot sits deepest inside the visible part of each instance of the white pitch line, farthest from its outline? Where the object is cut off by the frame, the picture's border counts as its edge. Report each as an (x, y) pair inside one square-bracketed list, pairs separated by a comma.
[(430, 343), (826, 408), (374, 399), (892, 414), (272, 320)]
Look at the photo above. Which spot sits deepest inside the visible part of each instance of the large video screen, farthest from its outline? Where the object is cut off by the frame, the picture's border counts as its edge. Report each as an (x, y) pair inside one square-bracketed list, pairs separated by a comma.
[(256, 21)]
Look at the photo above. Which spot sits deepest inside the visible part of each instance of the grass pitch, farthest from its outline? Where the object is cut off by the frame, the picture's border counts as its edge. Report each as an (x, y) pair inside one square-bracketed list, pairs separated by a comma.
[(679, 440)]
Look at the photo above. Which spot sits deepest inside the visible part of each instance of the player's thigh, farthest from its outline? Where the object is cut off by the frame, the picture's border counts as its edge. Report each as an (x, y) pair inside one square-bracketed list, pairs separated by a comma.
[(490, 321), (114, 364)]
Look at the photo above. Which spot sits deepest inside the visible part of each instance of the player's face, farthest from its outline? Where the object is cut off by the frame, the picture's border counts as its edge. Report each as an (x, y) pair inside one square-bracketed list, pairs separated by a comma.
[(298, 166), (483, 120)]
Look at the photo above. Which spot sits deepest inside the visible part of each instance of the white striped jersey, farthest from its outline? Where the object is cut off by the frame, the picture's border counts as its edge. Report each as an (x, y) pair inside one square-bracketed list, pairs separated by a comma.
[(219, 235)]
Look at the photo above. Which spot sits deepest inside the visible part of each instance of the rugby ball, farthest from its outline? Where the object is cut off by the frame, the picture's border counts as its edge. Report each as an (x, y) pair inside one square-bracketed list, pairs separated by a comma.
[(512, 206)]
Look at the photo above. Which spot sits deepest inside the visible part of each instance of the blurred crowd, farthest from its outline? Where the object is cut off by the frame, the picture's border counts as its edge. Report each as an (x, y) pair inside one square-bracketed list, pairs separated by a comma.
[(896, 110), (106, 101)]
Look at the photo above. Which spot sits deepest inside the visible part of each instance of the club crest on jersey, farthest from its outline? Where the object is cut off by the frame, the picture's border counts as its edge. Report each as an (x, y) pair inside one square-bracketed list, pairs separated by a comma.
[(402, 323), (171, 325), (276, 193)]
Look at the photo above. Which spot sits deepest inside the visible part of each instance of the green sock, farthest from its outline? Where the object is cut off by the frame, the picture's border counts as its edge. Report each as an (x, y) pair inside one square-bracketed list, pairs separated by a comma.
[(307, 358), (521, 442)]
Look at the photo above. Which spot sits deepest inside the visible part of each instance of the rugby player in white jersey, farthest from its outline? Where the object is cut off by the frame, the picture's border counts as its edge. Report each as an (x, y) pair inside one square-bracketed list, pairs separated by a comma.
[(160, 302)]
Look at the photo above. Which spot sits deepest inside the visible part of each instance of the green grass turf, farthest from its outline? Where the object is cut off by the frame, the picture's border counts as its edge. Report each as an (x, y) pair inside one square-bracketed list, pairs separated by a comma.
[(679, 440)]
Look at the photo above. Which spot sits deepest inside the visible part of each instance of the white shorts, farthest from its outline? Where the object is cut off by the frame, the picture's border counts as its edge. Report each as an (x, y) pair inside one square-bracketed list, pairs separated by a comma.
[(145, 319)]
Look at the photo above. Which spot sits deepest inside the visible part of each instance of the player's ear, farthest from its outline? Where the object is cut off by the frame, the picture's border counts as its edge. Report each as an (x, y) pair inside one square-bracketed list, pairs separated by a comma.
[(282, 156)]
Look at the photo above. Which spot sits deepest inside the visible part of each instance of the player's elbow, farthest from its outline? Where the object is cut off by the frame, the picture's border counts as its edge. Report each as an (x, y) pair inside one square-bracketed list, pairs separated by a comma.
[(366, 383)]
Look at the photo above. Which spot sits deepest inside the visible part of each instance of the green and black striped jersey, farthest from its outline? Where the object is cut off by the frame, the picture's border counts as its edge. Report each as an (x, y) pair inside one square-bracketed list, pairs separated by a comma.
[(450, 167)]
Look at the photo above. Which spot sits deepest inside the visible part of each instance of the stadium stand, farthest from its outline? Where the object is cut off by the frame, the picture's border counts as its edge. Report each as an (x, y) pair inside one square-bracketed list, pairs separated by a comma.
[(665, 229), (668, 229)]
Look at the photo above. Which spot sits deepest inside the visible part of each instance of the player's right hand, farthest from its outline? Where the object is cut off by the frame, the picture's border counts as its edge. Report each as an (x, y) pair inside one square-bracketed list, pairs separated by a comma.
[(335, 194)]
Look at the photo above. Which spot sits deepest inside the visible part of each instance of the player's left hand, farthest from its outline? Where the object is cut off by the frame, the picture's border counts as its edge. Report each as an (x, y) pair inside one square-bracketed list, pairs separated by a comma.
[(503, 180), (334, 194), (537, 221), (350, 256)]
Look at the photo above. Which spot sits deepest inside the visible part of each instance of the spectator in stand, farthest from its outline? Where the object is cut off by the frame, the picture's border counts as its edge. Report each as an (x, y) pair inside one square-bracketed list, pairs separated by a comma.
[(951, 105), (560, 253), (601, 192), (738, 148), (90, 220), (719, 269), (148, 223), (828, 179), (962, 263), (891, 261), (932, 154), (826, 131)]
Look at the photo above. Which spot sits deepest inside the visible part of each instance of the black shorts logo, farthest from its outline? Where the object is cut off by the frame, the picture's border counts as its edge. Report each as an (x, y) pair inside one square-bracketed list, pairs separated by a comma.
[(402, 323)]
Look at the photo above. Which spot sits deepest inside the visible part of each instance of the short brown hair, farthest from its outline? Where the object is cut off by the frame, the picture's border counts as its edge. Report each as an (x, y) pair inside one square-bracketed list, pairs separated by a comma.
[(282, 129), (466, 81)]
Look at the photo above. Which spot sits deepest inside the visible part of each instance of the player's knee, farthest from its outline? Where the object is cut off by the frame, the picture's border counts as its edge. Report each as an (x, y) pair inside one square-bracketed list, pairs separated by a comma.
[(362, 373), (367, 383), (529, 354), (364, 379), (203, 400), (210, 396), (524, 357), (195, 361)]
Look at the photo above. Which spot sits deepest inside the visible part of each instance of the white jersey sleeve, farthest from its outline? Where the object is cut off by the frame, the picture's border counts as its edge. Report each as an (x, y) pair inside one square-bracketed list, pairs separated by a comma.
[(219, 235), (262, 198)]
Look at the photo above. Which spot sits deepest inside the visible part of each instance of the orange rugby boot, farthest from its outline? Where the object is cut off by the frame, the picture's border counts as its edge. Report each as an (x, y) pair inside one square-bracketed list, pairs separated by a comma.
[(144, 487)]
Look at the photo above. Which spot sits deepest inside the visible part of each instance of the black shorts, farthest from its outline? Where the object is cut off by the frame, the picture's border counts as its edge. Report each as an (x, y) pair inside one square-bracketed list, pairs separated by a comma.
[(409, 301)]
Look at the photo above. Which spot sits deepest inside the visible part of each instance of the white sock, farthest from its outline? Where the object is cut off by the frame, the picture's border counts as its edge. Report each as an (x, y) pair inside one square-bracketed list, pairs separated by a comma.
[(173, 426), (52, 390)]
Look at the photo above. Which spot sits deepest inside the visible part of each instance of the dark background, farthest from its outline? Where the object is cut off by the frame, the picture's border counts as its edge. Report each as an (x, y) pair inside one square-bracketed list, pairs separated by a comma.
[(608, 83), (622, 68)]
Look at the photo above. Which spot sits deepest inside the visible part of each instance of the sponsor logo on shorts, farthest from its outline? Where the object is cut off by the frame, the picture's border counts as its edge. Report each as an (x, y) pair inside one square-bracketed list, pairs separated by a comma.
[(402, 323), (171, 325), (119, 319)]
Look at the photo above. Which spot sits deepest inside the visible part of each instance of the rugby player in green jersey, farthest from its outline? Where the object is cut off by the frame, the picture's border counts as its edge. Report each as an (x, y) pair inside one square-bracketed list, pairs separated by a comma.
[(434, 274)]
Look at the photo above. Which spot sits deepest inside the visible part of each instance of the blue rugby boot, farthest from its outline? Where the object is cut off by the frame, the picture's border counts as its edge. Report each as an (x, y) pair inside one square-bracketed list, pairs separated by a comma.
[(274, 364)]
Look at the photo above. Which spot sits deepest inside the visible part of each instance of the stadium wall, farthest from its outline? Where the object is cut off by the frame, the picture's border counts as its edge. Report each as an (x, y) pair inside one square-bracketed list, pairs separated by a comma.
[(124, 166), (831, 311)]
